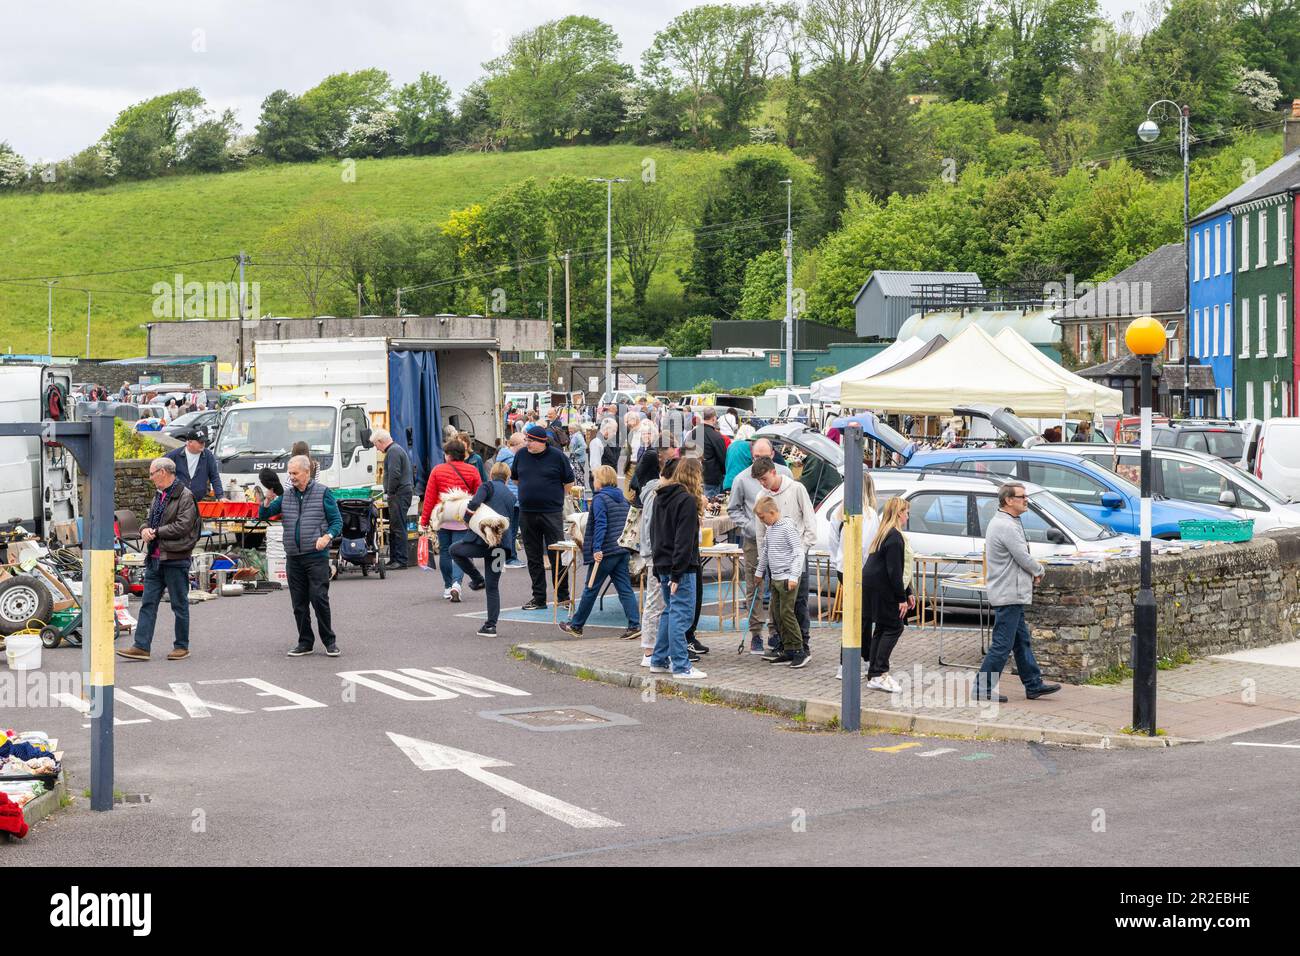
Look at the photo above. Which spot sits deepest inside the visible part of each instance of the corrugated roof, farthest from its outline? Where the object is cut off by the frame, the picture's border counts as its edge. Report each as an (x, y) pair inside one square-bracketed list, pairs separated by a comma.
[(894, 282), (1281, 176), (1163, 273)]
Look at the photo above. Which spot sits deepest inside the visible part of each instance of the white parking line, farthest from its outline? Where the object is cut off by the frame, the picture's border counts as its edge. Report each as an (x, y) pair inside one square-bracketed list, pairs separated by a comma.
[(1242, 743)]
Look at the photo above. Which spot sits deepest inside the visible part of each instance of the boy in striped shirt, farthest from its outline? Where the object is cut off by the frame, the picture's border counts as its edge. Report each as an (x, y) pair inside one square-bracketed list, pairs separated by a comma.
[(781, 558)]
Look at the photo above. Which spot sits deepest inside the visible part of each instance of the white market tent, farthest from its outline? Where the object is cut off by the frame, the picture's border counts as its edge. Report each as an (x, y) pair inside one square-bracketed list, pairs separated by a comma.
[(970, 368), (1086, 396), (828, 389)]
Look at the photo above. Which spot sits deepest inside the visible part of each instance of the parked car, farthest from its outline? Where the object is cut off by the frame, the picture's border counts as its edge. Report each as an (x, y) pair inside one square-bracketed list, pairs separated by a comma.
[(950, 513), (1272, 454), (1222, 439), (1103, 496), (207, 418), (1199, 478)]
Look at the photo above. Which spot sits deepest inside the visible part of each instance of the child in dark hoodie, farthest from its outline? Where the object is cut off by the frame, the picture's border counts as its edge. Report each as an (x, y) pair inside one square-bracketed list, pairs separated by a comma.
[(605, 557)]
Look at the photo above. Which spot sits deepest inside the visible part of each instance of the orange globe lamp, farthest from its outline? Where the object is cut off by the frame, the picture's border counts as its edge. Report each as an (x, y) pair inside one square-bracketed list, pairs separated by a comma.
[(1145, 336)]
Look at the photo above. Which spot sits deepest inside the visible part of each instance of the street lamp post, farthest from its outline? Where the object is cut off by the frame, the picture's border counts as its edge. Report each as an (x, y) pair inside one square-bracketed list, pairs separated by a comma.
[(789, 288), (49, 319), (1147, 132), (609, 282), (1145, 338)]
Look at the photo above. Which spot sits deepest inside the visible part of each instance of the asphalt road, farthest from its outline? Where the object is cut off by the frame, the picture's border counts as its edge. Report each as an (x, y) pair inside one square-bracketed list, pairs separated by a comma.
[(686, 782)]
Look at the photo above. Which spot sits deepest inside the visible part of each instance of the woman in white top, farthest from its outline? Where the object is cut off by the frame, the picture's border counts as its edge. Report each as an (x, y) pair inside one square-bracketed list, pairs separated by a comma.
[(870, 524)]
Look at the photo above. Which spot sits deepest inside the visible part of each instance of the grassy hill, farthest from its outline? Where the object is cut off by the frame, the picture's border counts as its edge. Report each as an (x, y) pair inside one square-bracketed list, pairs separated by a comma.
[(200, 217)]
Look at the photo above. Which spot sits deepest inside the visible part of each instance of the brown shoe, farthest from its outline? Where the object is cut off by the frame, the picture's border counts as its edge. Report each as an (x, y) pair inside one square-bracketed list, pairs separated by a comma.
[(133, 653), (178, 654)]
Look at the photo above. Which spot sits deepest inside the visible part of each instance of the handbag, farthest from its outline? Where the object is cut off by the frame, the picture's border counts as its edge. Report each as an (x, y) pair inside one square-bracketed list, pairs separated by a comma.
[(631, 536)]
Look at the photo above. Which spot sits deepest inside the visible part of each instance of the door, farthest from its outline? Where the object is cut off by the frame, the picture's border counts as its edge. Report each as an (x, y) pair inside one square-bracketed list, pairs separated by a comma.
[(1192, 481), (1084, 491), (941, 523), (356, 462)]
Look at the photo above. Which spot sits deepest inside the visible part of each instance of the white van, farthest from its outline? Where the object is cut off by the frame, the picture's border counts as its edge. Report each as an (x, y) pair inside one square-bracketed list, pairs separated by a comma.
[(1276, 455)]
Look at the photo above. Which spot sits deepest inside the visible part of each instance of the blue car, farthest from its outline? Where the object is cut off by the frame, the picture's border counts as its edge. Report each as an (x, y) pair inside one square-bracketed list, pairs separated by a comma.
[(1104, 497)]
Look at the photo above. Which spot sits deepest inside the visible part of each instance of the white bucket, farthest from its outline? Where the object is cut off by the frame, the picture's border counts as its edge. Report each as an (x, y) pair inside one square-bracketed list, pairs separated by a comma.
[(23, 652)]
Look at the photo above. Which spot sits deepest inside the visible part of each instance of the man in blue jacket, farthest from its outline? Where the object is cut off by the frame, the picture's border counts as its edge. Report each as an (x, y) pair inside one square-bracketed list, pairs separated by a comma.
[(196, 466)]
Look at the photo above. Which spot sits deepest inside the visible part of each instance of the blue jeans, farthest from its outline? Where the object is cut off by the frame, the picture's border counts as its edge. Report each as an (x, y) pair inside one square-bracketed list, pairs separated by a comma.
[(451, 573), (512, 539), (712, 491), (679, 609), (614, 566), (1010, 635), (174, 576)]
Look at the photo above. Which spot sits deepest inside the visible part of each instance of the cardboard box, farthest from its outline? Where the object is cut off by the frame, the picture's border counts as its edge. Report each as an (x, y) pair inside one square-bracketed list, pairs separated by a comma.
[(65, 534)]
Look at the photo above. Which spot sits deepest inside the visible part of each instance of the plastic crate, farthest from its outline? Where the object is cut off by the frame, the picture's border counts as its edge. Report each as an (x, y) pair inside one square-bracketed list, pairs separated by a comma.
[(1201, 529), (354, 494)]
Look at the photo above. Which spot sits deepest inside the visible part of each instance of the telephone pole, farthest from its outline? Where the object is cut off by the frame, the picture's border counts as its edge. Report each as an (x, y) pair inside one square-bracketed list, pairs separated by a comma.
[(88, 324), (243, 260), (568, 338), (49, 319), (789, 289), (550, 327)]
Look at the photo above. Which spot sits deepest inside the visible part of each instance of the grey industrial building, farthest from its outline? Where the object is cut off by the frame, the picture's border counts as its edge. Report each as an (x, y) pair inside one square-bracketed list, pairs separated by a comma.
[(888, 298)]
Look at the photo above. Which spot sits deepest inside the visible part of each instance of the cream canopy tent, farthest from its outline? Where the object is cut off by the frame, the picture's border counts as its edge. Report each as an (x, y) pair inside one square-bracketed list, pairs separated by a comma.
[(1085, 396), (970, 368), (828, 389)]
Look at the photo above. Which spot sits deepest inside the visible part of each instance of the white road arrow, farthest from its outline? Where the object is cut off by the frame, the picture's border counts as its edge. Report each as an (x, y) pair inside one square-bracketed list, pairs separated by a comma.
[(430, 756)]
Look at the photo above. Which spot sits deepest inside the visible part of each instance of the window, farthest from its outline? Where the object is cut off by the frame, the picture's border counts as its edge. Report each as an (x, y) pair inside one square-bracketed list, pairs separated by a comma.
[(1205, 253), (1262, 319), (1197, 337), (932, 513), (987, 466), (1189, 481), (350, 429), (1112, 341), (1227, 329), (1245, 243), (1227, 246), (1267, 410), (1072, 484), (1196, 257), (1281, 236), (1245, 329), (1228, 411), (1218, 246), (1250, 400), (1035, 525), (1281, 325), (1214, 335), (1261, 254)]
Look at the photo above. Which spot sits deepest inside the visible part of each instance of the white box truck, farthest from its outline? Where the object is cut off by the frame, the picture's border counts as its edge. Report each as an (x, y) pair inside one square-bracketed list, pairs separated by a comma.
[(331, 392), (38, 479)]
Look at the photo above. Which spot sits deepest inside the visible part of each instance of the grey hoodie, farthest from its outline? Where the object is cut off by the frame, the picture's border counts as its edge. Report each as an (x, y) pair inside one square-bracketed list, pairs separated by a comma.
[(745, 492)]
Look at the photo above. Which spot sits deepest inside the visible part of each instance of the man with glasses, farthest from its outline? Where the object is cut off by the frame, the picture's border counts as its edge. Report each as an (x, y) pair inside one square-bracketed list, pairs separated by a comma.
[(1012, 574), (170, 533)]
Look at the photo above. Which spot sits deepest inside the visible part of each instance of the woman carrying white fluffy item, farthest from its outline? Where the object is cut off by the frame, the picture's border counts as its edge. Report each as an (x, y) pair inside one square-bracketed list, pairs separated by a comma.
[(484, 522)]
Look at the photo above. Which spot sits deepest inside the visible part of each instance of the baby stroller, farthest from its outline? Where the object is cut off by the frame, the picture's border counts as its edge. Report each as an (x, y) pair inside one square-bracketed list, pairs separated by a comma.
[(356, 545)]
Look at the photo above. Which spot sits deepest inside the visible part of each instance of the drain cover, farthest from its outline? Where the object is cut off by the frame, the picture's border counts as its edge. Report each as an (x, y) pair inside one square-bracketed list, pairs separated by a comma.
[(568, 717), (132, 798)]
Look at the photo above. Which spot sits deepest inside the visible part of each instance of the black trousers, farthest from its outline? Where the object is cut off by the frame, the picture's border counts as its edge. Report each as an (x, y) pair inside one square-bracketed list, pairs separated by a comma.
[(309, 584), (464, 552), (540, 530), (699, 604), (398, 505), (885, 632)]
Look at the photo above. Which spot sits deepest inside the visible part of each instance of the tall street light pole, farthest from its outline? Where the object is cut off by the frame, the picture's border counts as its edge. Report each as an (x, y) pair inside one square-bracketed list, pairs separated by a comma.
[(789, 288), (609, 281), (1145, 338), (1148, 132), (49, 319)]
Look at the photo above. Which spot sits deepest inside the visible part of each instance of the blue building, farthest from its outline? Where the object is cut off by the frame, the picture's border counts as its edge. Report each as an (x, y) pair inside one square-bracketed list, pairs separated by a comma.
[(1211, 331)]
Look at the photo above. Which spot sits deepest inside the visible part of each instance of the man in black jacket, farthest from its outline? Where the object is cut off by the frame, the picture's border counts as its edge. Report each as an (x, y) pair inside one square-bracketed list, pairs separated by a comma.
[(196, 466), (709, 440), (170, 532), (399, 487)]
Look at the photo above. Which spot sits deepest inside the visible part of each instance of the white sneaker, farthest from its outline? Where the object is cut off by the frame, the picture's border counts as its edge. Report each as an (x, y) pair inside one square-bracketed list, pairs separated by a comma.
[(891, 685), (657, 670), (453, 593), (446, 594), (878, 683), (645, 660), (693, 674)]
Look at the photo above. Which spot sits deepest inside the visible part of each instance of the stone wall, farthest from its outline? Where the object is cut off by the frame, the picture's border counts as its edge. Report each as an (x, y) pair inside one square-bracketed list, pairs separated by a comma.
[(1212, 601), (132, 488), (112, 376)]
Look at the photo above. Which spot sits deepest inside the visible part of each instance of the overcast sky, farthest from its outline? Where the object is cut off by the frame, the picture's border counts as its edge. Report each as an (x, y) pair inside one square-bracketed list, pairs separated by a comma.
[(67, 67)]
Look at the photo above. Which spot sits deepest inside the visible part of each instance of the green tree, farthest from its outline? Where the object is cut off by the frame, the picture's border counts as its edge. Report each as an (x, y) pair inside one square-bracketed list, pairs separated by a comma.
[(955, 51), (312, 250), (645, 217), (13, 168), (285, 130), (144, 137), (1043, 38), (691, 337), (1268, 35), (575, 222), (205, 148), (763, 294), (424, 116), (341, 100), (744, 214), (550, 77)]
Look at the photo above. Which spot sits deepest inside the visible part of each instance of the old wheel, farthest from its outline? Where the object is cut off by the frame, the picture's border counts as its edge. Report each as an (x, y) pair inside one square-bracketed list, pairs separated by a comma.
[(22, 598)]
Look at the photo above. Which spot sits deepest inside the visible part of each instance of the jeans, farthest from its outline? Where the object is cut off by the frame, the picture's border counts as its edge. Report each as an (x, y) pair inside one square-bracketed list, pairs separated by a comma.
[(712, 491), (1010, 635), (450, 573), (398, 504), (540, 530), (309, 584), (464, 552), (511, 543), (654, 609), (614, 567), (670, 645), (174, 576)]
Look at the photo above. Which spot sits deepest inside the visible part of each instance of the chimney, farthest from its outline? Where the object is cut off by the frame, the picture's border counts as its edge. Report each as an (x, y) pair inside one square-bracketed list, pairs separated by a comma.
[(1291, 130)]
